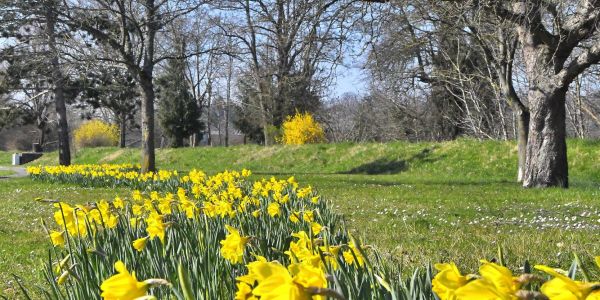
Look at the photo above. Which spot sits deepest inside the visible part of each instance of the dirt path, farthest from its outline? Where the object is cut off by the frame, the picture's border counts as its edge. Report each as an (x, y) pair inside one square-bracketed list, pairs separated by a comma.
[(18, 172)]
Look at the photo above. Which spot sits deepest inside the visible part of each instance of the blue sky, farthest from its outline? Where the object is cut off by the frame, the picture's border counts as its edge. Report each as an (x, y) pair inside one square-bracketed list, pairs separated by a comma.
[(349, 80)]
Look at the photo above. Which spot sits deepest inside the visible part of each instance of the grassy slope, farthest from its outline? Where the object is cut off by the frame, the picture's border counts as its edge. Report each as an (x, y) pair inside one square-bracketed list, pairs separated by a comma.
[(419, 202), (5, 158)]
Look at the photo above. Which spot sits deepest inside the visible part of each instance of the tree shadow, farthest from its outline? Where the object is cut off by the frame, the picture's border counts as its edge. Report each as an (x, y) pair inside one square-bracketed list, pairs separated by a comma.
[(392, 166)]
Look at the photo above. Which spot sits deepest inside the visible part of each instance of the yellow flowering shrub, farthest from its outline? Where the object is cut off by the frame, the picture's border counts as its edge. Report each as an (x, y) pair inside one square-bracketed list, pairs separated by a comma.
[(301, 129), (96, 133)]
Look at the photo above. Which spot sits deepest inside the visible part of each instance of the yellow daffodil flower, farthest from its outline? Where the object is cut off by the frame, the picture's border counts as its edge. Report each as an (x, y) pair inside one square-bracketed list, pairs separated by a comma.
[(233, 245), (57, 237), (118, 203), (496, 282), (316, 228), (273, 209), (123, 286), (447, 281), (140, 243), (156, 227), (294, 217), (244, 292), (275, 282), (562, 287), (350, 254), (308, 216)]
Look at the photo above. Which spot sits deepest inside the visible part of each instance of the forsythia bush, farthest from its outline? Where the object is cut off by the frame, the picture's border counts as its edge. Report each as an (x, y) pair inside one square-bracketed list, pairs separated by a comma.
[(96, 133), (302, 129)]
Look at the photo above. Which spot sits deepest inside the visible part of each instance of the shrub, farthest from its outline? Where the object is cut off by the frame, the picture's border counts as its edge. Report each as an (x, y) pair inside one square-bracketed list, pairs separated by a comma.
[(96, 133), (302, 129)]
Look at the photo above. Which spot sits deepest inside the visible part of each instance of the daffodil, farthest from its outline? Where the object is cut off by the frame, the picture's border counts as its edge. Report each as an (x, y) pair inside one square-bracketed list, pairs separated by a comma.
[(562, 287), (273, 209), (294, 217), (62, 278), (308, 216), (233, 245), (140, 243), (447, 281), (123, 286), (353, 255), (315, 228), (118, 203), (156, 227), (244, 292), (57, 237), (275, 282), (496, 282)]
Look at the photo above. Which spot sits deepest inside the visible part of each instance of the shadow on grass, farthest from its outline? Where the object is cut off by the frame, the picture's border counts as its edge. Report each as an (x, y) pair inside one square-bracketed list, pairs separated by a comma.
[(392, 166), (431, 182)]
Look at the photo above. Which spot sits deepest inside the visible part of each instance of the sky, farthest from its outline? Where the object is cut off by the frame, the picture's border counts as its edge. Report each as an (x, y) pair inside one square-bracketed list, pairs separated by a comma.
[(349, 80)]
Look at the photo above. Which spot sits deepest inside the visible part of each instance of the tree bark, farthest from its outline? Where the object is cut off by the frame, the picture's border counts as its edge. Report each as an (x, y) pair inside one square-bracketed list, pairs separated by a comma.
[(522, 136), (546, 163), (229, 78), (148, 153), (122, 133), (64, 150), (145, 78), (177, 142)]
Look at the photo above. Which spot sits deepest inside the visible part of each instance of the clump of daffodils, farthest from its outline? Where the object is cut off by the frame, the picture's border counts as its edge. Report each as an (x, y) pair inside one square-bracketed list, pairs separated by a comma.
[(498, 282), (267, 239)]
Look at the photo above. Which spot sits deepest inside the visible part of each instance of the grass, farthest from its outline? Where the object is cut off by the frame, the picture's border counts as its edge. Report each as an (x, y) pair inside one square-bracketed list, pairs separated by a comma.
[(6, 173), (417, 202), (23, 243), (5, 158)]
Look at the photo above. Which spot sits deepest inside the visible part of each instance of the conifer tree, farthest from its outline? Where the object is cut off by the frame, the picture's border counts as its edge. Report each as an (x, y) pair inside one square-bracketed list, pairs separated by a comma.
[(179, 114)]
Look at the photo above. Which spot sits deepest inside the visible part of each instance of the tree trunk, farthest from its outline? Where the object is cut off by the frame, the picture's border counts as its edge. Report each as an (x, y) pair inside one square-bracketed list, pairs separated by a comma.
[(177, 141), (229, 76), (122, 133), (148, 158), (145, 79), (208, 104), (546, 163), (42, 138), (64, 150), (522, 136)]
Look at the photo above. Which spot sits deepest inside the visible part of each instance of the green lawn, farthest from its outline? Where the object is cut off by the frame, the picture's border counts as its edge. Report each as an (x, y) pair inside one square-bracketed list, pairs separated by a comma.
[(6, 173), (23, 243), (5, 158), (417, 202)]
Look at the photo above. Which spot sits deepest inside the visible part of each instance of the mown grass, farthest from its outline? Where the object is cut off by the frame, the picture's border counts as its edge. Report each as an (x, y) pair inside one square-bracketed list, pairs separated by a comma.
[(23, 242), (5, 158), (418, 202), (6, 173)]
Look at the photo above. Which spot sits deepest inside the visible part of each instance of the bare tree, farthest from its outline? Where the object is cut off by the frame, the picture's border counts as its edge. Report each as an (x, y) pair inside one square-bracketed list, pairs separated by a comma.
[(287, 45), (132, 29)]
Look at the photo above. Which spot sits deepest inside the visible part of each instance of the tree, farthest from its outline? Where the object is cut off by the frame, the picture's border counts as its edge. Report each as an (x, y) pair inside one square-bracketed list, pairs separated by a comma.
[(559, 40), (131, 30), (288, 47), (35, 24), (114, 89), (179, 114)]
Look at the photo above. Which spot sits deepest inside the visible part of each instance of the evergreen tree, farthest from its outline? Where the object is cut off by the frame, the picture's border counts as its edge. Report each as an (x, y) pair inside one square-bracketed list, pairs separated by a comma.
[(178, 114), (116, 90)]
